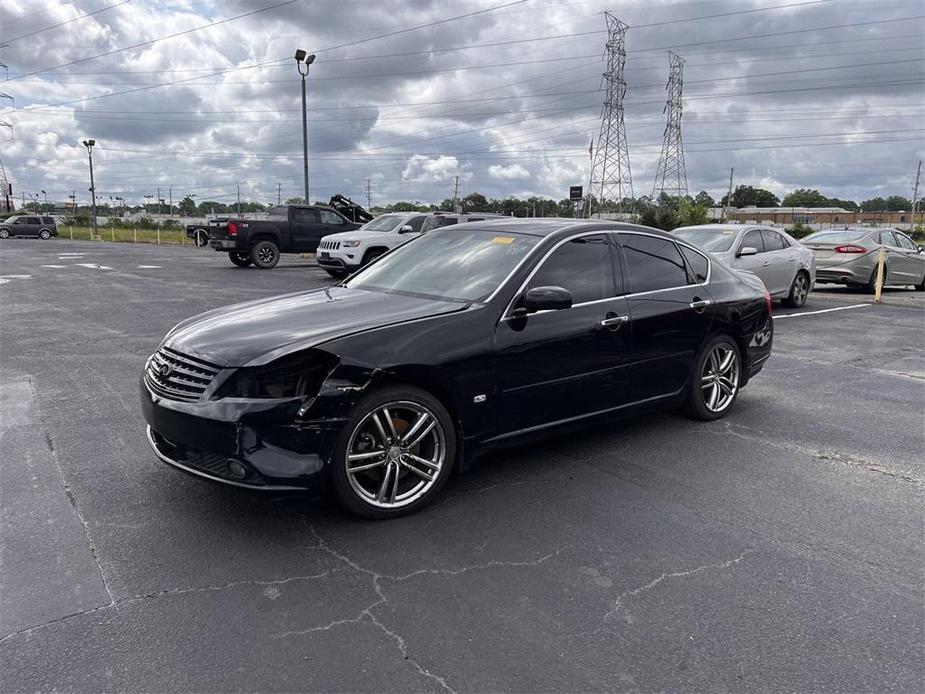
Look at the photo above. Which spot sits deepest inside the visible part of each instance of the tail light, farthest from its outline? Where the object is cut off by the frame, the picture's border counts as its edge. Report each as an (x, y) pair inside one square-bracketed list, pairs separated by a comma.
[(232, 229), (767, 300), (850, 249)]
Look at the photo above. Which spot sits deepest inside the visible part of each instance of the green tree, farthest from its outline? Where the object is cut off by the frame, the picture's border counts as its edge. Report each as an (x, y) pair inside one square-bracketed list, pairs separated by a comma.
[(897, 203), (187, 207), (749, 196), (295, 201), (475, 202), (704, 199), (806, 197)]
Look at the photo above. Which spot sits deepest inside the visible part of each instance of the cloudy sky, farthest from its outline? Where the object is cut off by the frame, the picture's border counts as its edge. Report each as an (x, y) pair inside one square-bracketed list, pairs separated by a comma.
[(827, 94)]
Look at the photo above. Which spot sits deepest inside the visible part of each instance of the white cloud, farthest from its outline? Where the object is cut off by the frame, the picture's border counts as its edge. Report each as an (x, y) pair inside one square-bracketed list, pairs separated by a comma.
[(421, 169), (510, 172)]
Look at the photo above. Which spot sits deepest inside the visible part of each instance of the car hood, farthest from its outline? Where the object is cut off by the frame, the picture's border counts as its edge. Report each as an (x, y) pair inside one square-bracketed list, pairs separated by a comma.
[(362, 235), (257, 332)]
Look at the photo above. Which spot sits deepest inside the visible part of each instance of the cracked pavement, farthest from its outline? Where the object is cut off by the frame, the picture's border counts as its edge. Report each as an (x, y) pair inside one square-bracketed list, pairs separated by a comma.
[(778, 549)]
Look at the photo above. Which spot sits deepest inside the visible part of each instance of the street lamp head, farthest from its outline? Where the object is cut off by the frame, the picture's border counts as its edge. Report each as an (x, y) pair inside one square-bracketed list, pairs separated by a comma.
[(310, 59), (89, 143), (300, 55)]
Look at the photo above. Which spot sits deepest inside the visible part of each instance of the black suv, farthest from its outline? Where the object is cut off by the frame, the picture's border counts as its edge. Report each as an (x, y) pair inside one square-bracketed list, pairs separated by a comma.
[(19, 225)]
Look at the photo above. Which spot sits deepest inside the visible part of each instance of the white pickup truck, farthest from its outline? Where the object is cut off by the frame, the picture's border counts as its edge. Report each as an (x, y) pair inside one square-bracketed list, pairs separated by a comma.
[(345, 252)]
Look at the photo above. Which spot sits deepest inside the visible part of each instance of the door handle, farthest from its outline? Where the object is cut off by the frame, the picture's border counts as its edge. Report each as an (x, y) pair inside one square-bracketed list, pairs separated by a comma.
[(611, 321), (766, 263), (700, 304)]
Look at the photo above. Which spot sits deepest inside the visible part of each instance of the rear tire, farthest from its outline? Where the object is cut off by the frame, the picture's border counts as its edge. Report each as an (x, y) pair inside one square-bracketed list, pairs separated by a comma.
[(4, 233), (799, 291), (715, 380), (201, 237), (403, 468), (45, 234), (872, 283), (239, 259), (265, 255)]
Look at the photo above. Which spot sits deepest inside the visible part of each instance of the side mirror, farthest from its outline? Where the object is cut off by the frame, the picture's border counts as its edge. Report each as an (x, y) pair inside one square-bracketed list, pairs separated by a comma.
[(405, 229), (547, 299), (921, 248), (747, 250)]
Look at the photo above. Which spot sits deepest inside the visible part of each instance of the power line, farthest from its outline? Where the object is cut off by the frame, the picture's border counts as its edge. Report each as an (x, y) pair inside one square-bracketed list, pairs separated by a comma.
[(142, 44), (69, 21)]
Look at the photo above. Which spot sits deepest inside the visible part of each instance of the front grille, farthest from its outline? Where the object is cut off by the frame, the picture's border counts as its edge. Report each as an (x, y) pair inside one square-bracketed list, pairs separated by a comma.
[(177, 376), (329, 245), (213, 464)]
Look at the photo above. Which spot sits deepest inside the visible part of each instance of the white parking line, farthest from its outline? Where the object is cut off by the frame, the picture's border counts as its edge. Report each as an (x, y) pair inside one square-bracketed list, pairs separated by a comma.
[(57, 267), (149, 267), (825, 310), (94, 266)]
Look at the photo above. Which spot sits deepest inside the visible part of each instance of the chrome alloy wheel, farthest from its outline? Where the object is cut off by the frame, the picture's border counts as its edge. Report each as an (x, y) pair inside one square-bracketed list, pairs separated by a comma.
[(720, 378), (800, 289), (395, 454), (266, 255)]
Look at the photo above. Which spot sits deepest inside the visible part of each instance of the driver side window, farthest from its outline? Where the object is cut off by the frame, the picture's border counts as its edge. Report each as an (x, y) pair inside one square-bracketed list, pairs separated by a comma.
[(328, 217), (582, 265), (753, 240)]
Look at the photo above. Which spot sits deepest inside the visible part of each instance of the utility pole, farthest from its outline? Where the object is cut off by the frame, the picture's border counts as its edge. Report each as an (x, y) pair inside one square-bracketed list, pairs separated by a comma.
[(456, 206), (369, 195), (170, 196), (160, 202), (610, 172), (279, 193), (915, 198), (729, 198), (238, 186), (671, 175)]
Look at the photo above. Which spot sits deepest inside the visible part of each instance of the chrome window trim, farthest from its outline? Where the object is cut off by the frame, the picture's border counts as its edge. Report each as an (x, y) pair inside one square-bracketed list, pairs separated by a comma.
[(505, 315)]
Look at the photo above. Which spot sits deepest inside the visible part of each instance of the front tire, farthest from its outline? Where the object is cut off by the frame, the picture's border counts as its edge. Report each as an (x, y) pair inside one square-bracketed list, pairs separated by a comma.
[(337, 274), (201, 237), (395, 454), (716, 379), (872, 283), (239, 259), (265, 255), (4, 233), (45, 234), (799, 290), (371, 256)]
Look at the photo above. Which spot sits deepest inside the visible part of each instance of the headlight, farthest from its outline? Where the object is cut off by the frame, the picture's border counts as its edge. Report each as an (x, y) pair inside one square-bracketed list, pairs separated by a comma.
[(289, 377), (349, 244)]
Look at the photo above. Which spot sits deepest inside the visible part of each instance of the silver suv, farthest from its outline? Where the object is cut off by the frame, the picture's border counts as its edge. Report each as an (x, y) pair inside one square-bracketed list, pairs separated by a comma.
[(343, 253)]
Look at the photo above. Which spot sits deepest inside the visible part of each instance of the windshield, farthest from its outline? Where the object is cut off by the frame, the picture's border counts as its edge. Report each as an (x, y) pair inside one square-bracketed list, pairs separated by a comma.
[(465, 265), (712, 240), (387, 222), (842, 236)]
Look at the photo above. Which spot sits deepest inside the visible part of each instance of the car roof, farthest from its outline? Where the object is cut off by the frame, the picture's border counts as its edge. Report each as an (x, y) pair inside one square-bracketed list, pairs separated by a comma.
[(720, 227), (548, 226)]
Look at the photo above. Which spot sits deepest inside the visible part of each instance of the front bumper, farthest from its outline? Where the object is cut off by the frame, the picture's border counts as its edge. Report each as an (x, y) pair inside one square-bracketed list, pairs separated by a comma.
[(330, 262), (254, 444)]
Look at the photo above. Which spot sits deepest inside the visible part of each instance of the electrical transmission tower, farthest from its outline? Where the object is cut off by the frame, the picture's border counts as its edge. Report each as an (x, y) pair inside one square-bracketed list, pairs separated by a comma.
[(671, 175), (611, 180)]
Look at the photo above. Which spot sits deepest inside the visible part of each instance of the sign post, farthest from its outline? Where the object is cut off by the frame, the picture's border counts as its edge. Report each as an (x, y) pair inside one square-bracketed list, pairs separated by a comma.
[(576, 195)]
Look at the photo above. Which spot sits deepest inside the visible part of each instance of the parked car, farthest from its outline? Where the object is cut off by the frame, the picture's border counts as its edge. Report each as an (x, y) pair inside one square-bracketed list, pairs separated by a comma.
[(27, 225), (457, 342), (341, 254), (288, 229), (849, 256), (786, 266), (344, 253)]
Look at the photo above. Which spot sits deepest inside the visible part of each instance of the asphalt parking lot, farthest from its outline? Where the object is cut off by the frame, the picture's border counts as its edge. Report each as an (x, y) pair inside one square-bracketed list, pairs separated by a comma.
[(780, 548)]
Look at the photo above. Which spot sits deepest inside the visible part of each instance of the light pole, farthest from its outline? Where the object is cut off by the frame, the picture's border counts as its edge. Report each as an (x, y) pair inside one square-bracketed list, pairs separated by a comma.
[(46, 200), (303, 58), (89, 145)]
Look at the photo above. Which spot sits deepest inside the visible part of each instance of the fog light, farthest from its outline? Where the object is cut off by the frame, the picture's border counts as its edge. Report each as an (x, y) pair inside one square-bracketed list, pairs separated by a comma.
[(235, 469)]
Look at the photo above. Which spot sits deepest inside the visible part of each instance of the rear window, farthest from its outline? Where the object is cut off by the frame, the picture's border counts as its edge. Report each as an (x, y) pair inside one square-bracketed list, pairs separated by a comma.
[(697, 265), (843, 236), (652, 263)]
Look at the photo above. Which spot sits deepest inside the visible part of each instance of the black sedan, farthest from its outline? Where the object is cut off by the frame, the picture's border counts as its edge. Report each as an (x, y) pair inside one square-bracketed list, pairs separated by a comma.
[(460, 341)]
